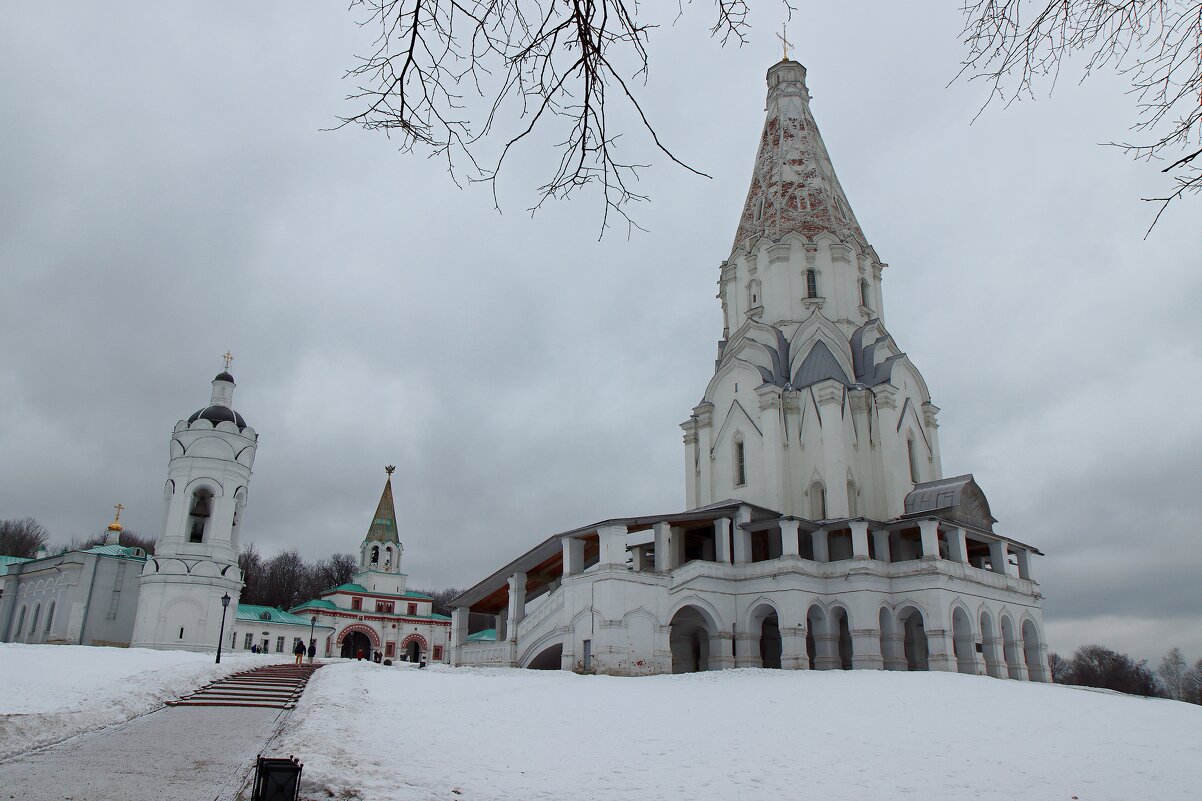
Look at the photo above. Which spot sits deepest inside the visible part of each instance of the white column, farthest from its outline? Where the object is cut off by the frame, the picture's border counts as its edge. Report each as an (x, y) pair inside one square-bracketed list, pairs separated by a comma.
[(517, 602), (613, 545), (770, 412), (822, 552), (859, 539), (998, 557), (957, 547), (742, 550), (722, 545), (834, 449), (705, 434), (663, 547), (692, 469), (573, 556), (881, 540), (789, 544), (930, 538), (1024, 563)]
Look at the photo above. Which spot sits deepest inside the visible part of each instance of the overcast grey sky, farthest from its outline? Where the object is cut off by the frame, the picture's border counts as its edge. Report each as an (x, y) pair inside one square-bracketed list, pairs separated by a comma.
[(168, 193)]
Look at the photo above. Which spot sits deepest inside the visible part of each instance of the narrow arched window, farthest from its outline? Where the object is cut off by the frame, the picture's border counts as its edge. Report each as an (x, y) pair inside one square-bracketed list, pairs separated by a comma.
[(740, 463), (20, 623), (864, 294), (851, 499), (817, 501), (33, 621), (811, 283), (49, 618), (913, 454), (375, 554), (198, 518), (753, 293), (759, 208)]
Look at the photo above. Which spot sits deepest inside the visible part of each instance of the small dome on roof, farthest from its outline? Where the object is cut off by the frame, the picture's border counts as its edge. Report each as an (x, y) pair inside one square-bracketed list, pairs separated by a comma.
[(224, 376), (219, 414)]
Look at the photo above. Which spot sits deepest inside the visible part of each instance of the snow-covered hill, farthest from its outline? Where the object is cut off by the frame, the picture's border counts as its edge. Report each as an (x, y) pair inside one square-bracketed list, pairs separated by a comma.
[(490, 734), (51, 692), (370, 732)]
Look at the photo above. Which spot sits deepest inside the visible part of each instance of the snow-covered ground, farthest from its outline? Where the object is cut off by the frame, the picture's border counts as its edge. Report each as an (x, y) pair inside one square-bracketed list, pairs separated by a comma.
[(373, 732), (51, 692)]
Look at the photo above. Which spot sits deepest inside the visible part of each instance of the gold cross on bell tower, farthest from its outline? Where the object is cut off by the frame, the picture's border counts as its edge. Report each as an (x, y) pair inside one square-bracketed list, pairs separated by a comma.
[(785, 44), (228, 357), (117, 516)]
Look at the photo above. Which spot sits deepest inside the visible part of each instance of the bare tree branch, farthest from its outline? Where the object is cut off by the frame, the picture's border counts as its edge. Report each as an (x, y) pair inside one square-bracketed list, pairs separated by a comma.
[(533, 65), (1157, 44)]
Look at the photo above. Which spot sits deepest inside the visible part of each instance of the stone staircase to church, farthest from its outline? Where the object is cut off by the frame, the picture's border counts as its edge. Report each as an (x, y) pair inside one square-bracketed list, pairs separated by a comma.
[(267, 687)]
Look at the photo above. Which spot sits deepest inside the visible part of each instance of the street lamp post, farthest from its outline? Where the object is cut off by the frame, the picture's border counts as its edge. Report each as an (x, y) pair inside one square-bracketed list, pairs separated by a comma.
[(225, 604), (312, 625)]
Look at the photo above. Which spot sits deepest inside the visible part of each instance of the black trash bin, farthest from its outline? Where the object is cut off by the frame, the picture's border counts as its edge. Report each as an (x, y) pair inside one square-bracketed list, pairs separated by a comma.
[(276, 779)]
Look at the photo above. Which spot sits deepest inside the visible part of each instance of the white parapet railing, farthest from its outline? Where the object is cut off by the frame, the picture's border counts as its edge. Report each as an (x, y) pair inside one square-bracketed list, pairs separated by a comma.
[(541, 614), (484, 653)]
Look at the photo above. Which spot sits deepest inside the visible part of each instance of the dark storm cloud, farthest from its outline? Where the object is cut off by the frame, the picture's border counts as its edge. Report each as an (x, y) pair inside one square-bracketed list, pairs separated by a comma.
[(168, 193)]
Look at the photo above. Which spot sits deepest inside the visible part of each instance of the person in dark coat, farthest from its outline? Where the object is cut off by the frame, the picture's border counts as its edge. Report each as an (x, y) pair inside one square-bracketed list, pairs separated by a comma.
[(298, 651), (312, 650)]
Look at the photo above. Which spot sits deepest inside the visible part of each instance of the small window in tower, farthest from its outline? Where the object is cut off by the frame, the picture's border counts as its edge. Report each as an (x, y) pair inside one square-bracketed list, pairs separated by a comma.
[(811, 283), (817, 501), (181, 632), (198, 518), (759, 208), (864, 294), (375, 554), (753, 293), (413, 609), (913, 454), (851, 499), (740, 464), (357, 604)]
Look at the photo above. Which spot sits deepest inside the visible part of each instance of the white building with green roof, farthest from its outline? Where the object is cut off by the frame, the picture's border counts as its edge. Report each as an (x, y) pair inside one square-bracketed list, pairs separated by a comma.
[(376, 612), (81, 597), (273, 630)]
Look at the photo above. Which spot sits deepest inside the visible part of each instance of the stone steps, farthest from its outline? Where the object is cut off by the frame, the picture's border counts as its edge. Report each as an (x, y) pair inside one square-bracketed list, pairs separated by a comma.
[(267, 687)]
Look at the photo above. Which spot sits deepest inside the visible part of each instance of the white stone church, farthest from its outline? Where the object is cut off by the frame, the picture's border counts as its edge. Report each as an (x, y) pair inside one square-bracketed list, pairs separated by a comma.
[(820, 532)]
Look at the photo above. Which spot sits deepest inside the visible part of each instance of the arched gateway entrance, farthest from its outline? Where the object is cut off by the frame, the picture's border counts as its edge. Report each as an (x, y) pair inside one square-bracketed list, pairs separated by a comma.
[(690, 637), (356, 644)]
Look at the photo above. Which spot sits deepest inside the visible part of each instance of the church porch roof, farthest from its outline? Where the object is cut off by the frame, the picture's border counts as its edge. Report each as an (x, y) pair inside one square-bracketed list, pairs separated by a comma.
[(270, 614)]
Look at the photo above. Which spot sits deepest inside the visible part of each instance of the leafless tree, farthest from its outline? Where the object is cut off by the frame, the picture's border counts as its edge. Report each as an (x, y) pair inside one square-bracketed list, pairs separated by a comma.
[(128, 537), (1191, 684), (22, 537), (1015, 44), (332, 572), (442, 599), (1172, 672), (444, 76)]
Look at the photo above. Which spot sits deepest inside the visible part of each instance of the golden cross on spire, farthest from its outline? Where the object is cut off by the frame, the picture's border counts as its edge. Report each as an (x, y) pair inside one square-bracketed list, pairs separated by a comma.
[(785, 44), (229, 357), (389, 469), (117, 516)]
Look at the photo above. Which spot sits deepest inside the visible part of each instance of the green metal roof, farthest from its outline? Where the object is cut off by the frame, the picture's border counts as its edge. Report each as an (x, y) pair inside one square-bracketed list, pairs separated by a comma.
[(352, 587), (483, 636), (252, 612), (316, 603), (116, 550)]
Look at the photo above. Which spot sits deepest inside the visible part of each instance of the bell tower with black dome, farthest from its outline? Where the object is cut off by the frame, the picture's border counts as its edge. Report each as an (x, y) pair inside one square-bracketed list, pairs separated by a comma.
[(196, 556)]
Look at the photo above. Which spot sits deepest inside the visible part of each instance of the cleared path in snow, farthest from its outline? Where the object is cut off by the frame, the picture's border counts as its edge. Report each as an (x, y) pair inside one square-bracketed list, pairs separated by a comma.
[(188, 752)]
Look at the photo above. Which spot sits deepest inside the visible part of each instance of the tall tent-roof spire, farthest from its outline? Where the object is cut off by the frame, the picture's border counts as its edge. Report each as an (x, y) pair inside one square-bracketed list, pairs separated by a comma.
[(383, 525), (793, 185)]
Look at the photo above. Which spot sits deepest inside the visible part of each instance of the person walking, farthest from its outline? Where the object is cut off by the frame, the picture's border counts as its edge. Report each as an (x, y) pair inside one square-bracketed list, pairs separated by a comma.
[(312, 650), (299, 651)]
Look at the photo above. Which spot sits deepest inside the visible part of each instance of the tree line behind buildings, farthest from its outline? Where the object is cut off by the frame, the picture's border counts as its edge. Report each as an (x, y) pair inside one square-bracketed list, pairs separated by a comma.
[(287, 580)]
